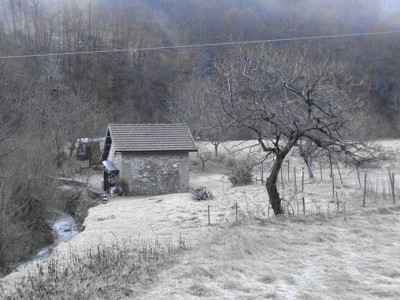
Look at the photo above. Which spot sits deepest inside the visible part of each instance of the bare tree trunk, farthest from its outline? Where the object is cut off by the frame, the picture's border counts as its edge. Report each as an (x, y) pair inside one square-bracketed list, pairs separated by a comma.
[(71, 149), (308, 161), (216, 149), (272, 189)]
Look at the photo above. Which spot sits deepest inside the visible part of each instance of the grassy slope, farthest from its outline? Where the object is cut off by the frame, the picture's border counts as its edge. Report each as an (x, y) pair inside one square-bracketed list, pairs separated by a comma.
[(298, 258), (320, 256)]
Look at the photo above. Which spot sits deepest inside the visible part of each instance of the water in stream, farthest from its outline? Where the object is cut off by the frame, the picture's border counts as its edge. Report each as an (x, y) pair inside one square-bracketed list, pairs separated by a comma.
[(65, 228)]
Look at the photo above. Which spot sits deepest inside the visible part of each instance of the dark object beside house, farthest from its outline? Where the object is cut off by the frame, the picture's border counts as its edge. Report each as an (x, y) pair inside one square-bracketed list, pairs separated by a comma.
[(152, 158), (89, 149), (110, 175)]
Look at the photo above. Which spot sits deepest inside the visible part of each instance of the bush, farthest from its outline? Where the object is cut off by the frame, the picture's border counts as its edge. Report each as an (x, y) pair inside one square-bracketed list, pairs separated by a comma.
[(24, 228), (201, 194), (220, 158), (241, 172), (77, 203)]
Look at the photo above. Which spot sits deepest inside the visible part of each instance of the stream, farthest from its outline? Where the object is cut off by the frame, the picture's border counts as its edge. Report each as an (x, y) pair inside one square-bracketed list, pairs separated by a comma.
[(64, 228)]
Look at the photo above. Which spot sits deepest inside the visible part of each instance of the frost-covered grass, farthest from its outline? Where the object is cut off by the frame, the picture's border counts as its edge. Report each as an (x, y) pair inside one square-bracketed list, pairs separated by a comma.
[(312, 257), (107, 271), (338, 250)]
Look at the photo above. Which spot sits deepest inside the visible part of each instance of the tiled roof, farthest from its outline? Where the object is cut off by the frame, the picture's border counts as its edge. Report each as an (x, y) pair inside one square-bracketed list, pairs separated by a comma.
[(151, 137)]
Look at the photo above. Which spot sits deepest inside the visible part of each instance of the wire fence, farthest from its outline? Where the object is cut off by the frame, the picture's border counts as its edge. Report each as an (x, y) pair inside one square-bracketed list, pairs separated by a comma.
[(336, 190)]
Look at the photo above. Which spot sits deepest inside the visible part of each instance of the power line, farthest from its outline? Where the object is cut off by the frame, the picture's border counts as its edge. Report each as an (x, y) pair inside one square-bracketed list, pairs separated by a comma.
[(203, 45)]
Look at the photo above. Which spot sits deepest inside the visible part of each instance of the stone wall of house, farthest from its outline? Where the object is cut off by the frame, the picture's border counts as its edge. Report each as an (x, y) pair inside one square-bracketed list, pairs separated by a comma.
[(156, 173), (115, 157)]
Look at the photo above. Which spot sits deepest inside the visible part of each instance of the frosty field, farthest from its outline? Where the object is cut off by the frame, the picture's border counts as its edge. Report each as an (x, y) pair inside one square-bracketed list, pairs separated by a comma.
[(337, 250)]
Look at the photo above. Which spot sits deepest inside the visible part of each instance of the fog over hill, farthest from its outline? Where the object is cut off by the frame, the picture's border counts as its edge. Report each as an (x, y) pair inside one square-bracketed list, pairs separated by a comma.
[(143, 82)]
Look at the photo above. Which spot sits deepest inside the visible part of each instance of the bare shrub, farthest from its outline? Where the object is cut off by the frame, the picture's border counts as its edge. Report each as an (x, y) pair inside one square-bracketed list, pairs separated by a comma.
[(220, 158), (240, 172), (204, 155), (123, 185), (201, 194), (23, 223), (77, 203)]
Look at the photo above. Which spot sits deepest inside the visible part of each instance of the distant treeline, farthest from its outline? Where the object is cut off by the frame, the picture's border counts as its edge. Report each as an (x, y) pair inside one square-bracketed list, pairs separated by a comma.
[(135, 86)]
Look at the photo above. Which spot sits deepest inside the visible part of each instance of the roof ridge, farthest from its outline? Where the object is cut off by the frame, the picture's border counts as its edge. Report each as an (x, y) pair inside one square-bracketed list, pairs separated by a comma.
[(152, 137)]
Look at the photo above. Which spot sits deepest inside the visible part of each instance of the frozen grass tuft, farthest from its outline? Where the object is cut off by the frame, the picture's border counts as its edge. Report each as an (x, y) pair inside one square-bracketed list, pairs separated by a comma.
[(106, 272)]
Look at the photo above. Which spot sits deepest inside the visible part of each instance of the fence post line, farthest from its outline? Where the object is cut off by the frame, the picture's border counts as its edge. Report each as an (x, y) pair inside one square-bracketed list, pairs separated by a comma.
[(365, 189)]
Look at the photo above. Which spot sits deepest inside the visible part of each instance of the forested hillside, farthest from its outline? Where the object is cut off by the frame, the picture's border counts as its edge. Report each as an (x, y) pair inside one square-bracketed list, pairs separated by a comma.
[(133, 86), (48, 101)]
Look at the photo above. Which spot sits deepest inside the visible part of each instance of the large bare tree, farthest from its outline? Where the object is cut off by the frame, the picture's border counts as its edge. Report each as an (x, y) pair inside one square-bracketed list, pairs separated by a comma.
[(290, 97), (190, 104)]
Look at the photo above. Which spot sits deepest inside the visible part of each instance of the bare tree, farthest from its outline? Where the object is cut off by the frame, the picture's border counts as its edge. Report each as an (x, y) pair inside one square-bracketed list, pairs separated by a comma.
[(204, 154), (289, 97), (192, 105)]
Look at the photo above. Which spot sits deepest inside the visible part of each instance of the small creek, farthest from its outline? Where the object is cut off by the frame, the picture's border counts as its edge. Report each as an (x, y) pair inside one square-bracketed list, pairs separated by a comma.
[(65, 228)]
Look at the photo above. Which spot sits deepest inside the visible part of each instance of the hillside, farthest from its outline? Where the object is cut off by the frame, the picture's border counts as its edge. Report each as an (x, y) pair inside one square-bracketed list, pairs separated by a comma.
[(136, 86)]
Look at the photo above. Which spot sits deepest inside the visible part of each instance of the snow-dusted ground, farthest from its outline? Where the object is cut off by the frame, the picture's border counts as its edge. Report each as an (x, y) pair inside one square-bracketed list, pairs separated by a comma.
[(337, 252)]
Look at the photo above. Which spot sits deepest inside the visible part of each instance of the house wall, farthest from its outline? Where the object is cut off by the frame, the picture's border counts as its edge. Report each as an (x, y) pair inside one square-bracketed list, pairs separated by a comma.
[(156, 173), (115, 157)]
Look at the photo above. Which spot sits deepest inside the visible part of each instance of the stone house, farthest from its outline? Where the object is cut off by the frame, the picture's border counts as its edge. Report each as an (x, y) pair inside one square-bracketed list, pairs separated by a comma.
[(152, 158)]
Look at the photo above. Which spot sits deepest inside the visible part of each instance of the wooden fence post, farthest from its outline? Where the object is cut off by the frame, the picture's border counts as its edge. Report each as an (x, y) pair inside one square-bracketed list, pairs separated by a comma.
[(365, 189), (358, 176), (209, 222), (304, 206), (333, 185), (262, 173), (394, 199), (320, 169), (302, 181), (340, 174), (295, 181), (236, 212), (337, 201), (330, 163)]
